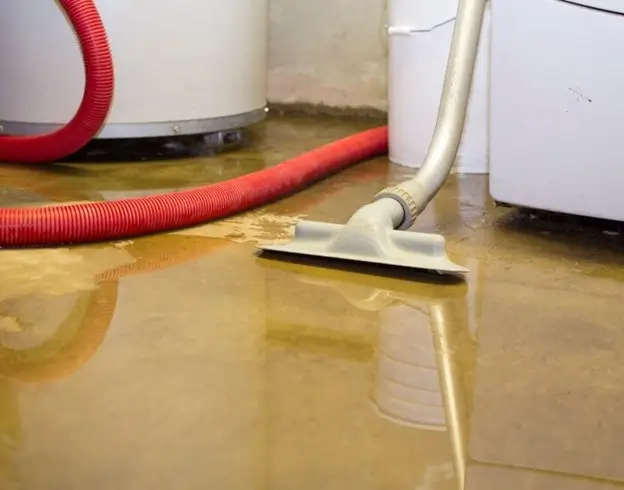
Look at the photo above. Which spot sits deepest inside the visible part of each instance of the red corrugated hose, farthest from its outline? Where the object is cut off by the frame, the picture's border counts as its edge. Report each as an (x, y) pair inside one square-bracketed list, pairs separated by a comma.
[(101, 221), (96, 100)]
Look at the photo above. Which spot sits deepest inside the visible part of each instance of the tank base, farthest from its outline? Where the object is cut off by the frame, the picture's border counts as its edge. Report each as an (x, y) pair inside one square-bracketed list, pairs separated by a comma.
[(146, 130)]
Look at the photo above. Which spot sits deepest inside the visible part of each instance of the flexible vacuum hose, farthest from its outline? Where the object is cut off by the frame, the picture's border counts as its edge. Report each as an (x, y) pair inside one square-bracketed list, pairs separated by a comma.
[(96, 101), (99, 221)]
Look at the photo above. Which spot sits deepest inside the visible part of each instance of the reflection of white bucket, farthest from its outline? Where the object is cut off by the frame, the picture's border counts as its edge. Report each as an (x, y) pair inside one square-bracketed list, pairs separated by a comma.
[(407, 389), (420, 39)]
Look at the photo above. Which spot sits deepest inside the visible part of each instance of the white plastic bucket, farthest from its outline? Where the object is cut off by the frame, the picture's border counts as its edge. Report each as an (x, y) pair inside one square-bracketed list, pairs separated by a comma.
[(420, 34)]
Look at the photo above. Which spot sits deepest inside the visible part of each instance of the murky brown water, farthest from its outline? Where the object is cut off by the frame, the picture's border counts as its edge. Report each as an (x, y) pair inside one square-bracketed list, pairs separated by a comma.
[(185, 361)]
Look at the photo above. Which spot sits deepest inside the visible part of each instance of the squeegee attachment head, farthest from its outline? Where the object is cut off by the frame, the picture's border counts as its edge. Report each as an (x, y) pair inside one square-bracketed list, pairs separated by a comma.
[(378, 245)]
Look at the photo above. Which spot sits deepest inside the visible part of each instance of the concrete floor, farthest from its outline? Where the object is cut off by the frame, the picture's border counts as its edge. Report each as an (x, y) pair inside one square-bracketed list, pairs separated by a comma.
[(184, 361)]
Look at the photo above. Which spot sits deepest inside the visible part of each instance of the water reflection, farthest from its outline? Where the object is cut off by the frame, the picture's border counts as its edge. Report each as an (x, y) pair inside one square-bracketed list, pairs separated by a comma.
[(53, 320), (410, 336), (420, 343)]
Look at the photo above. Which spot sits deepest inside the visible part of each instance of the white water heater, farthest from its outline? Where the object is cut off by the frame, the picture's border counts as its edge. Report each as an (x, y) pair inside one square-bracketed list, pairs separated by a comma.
[(181, 66)]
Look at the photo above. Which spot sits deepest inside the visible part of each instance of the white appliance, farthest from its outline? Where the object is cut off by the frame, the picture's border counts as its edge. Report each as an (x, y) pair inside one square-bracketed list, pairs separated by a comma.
[(420, 34), (557, 106), (181, 66)]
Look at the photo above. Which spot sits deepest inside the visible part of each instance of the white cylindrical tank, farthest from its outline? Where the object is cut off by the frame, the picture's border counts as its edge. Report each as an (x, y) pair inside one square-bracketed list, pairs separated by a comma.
[(181, 66), (420, 39)]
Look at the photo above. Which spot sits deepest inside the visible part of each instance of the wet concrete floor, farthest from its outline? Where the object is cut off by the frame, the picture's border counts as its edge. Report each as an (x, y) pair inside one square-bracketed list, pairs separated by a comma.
[(185, 361)]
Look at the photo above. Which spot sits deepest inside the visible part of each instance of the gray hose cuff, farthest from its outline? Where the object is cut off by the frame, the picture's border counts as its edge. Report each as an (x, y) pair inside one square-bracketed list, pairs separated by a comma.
[(410, 208)]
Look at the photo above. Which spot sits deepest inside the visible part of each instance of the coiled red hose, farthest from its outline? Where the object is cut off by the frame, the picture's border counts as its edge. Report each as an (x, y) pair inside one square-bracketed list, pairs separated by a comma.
[(96, 101), (100, 221)]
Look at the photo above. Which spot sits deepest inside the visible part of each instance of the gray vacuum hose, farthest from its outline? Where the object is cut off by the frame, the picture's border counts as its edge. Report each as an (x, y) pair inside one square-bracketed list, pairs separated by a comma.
[(414, 195)]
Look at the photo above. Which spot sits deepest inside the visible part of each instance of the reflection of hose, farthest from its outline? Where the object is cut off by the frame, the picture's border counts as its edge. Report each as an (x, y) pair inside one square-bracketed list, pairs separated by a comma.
[(81, 334), (168, 251), (59, 356), (96, 101), (137, 216)]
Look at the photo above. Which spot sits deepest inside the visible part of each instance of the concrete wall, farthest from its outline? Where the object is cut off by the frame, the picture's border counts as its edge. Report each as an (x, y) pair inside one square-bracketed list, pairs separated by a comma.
[(330, 52)]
